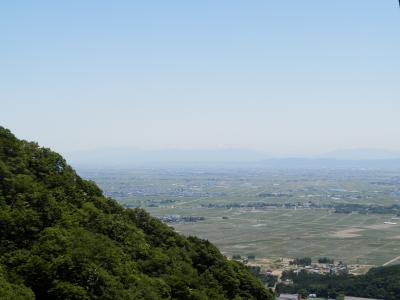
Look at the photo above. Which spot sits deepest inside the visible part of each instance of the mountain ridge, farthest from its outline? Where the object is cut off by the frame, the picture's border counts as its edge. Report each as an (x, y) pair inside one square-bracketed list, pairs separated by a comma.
[(62, 239), (125, 158)]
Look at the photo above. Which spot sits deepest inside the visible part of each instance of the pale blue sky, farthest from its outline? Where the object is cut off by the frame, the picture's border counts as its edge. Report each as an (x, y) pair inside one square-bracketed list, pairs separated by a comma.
[(285, 77)]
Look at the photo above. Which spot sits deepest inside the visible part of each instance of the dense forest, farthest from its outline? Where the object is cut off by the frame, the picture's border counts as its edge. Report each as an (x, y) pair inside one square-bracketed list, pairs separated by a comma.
[(378, 283), (62, 239)]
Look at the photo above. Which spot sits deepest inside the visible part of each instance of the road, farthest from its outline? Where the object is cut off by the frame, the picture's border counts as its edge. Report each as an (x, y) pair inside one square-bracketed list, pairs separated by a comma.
[(391, 261)]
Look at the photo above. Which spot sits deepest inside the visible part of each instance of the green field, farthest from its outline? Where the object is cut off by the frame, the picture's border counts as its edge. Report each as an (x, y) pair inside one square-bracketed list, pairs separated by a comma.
[(355, 238), (297, 233)]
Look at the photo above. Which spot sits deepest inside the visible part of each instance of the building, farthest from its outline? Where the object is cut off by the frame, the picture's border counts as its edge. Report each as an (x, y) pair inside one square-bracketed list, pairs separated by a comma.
[(357, 298), (288, 297)]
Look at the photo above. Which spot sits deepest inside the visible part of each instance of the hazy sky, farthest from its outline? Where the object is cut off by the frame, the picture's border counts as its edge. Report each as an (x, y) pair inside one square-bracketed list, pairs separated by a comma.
[(285, 77)]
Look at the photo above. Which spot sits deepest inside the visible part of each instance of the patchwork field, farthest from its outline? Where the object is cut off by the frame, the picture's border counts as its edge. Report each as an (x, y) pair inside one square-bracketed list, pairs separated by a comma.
[(352, 238), (297, 218)]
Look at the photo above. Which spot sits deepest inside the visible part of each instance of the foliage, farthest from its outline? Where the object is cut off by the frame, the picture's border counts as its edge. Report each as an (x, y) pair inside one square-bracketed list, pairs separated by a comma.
[(268, 279), (10, 291), (304, 261), (378, 283), (62, 239), (326, 260)]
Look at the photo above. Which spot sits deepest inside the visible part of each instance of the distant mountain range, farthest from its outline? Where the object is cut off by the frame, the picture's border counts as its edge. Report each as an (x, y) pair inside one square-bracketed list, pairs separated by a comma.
[(329, 163), (362, 154), (121, 157), (353, 158)]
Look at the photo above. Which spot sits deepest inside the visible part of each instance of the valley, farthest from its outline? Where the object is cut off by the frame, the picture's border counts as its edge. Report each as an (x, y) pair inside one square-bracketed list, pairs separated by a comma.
[(348, 215)]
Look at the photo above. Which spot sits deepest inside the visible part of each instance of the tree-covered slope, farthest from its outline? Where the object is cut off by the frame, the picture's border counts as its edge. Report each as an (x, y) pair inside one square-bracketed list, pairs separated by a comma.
[(378, 283), (62, 239)]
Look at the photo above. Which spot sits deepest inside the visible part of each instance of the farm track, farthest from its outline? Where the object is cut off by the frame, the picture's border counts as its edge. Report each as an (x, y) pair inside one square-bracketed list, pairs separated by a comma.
[(391, 261)]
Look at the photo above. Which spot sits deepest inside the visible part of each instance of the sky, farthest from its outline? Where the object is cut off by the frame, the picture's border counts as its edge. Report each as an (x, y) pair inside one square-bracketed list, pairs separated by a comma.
[(282, 77)]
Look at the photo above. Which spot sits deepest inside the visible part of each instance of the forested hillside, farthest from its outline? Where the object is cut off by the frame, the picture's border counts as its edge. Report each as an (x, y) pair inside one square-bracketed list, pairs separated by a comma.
[(378, 283), (62, 239)]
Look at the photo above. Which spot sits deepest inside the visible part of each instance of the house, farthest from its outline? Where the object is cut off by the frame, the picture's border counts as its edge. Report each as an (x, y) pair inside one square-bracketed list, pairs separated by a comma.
[(288, 297), (357, 298)]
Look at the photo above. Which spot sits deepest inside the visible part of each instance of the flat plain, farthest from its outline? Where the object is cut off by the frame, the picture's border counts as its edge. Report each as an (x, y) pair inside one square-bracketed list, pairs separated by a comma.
[(271, 213), (298, 233)]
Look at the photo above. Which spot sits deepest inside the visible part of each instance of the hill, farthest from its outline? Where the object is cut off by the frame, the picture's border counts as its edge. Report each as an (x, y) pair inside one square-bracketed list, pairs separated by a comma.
[(62, 239), (378, 283), (229, 158), (123, 157)]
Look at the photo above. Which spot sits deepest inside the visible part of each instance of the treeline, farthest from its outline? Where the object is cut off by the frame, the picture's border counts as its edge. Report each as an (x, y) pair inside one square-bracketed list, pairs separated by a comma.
[(60, 238), (266, 278), (326, 260), (378, 283), (241, 205), (303, 261), (274, 195), (337, 207), (365, 209), (306, 261)]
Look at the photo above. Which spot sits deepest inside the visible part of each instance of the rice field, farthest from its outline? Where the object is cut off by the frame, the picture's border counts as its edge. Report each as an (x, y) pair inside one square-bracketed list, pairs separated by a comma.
[(276, 232), (351, 238)]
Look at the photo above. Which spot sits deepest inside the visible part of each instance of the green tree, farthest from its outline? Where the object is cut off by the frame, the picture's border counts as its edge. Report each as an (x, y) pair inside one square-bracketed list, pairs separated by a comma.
[(60, 238)]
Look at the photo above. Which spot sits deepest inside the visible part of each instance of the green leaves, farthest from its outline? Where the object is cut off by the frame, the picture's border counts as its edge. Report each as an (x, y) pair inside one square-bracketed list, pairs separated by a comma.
[(378, 283), (11, 291), (62, 239)]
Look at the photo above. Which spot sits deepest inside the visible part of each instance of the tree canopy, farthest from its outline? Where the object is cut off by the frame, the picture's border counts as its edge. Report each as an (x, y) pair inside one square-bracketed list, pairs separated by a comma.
[(62, 239), (378, 283)]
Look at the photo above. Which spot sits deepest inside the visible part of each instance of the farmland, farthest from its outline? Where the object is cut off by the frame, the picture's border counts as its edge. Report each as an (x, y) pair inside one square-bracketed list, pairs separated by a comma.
[(271, 213)]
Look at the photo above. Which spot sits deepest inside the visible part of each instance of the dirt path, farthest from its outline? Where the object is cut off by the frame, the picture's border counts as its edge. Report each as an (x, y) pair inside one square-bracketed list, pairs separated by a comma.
[(390, 261)]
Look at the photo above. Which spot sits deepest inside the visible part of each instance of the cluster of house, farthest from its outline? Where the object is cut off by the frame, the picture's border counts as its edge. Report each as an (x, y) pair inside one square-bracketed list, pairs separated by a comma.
[(180, 219), (313, 296), (323, 269), (298, 297)]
